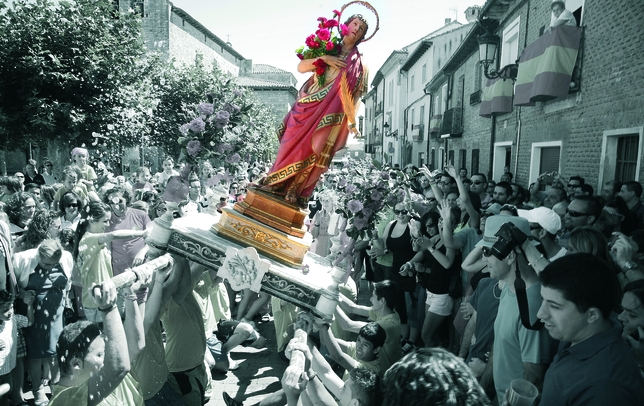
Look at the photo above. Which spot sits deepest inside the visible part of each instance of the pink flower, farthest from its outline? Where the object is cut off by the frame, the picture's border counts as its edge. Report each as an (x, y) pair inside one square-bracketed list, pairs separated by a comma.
[(376, 195), (221, 118), (342, 182), (367, 212), (205, 108), (322, 21), (360, 223), (194, 147), (354, 206), (324, 34), (336, 13), (350, 189), (329, 46), (331, 24), (310, 41), (197, 125), (300, 56), (344, 30), (184, 129)]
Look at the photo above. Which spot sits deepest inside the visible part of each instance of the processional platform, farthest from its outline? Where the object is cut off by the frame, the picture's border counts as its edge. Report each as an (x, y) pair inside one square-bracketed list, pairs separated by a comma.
[(250, 254)]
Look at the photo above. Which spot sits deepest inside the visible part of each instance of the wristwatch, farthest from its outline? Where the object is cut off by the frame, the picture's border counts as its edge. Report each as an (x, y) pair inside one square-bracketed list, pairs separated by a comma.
[(628, 265)]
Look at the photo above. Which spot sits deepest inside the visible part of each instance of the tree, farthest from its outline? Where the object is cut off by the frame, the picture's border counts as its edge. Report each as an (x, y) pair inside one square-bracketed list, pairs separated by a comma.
[(62, 69)]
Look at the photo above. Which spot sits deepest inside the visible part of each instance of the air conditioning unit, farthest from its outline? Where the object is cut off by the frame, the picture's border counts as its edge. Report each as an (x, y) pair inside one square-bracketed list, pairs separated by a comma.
[(417, 132)]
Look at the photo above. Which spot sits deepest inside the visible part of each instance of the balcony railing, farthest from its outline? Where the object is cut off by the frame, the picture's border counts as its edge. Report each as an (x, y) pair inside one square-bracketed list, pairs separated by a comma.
[(475, 98)]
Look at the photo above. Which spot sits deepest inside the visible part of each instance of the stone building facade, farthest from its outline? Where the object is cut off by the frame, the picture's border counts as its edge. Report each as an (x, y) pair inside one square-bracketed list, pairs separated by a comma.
[(596, 129)]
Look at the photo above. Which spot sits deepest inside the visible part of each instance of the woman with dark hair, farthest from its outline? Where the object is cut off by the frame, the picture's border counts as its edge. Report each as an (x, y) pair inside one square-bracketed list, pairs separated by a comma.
[(47, 193), (9, 185), (432, 377), (71, 207), (44, 224), (93, 258), (20, 209), (438, 267)]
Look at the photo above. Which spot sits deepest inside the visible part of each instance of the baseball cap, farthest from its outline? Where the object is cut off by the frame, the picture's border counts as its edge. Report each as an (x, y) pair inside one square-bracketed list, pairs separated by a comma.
[(494, 223), (545, 217)]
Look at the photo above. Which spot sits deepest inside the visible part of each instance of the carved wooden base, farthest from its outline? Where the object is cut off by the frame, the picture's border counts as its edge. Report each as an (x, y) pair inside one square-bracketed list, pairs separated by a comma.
[(276, 244), (273, 211), (312, 287)]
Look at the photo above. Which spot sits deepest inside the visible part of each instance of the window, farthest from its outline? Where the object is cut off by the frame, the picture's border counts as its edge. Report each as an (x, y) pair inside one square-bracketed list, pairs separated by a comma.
[(421, 159), (413, 118), (626, 164), (510, 44), (475, 162), (462, 156), (422, 115), (478, 76), (621, 155), (424, 73), (391, 92), (432, 163), (444, 97), (545, 157), (450, 155), (502, 155), (576, 7), (413, 82)]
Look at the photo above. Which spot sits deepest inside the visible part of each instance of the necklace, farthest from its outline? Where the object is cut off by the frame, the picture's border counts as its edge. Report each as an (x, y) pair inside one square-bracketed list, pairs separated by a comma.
[(494, 291)]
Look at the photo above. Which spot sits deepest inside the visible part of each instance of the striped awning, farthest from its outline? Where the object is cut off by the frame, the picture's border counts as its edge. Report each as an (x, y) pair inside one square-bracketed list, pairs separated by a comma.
[(546, 65), (435, 124), (496, 97)]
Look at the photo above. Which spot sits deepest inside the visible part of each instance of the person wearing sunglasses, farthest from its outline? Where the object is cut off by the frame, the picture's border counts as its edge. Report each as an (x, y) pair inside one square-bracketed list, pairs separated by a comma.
[(517, 351), (396, 239), (70, 210)]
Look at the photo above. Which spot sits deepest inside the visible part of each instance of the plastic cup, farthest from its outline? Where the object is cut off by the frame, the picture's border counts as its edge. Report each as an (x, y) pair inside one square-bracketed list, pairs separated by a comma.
[(522, 393)]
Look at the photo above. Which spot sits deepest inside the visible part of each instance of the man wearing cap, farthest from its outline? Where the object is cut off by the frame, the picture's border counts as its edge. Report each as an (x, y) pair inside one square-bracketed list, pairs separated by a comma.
[(518, 352), (561, 16), (544, 226)]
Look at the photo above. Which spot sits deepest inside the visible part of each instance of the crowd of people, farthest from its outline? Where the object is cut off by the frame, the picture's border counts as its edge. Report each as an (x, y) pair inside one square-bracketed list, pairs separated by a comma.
[(472, 284)]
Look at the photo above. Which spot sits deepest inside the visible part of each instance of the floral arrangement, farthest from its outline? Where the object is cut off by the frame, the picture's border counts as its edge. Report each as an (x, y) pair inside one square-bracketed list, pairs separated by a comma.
[(324, 42), (217, 133), (364, 191)]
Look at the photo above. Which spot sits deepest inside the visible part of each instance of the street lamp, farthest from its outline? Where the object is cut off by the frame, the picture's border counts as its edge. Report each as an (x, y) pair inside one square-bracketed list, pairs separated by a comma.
[(394, 134), (488, 45)]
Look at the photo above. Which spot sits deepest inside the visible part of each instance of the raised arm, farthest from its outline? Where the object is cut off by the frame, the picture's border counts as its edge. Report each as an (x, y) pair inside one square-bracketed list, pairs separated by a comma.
[(346, 323), (335, 351), (475, 216), (116, 362)]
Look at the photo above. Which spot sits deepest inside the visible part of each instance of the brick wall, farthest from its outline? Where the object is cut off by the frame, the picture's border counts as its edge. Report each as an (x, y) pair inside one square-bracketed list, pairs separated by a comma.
[(611, 96)]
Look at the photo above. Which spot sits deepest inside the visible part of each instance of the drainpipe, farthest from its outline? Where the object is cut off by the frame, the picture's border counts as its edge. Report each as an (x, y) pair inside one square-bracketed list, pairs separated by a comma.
[(492, 140)]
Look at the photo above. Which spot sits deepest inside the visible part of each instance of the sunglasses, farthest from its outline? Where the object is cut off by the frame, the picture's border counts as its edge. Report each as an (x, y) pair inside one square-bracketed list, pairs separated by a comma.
[(431, 199), (570, 185), (443, 183), (477, 182), (535, 227), (401, 211), (573, 213), (72, 205), (487, 252)]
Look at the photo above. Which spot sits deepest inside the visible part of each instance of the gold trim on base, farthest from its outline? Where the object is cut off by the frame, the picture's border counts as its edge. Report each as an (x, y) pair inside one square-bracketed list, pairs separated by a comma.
[(272, 210), (276, 244)]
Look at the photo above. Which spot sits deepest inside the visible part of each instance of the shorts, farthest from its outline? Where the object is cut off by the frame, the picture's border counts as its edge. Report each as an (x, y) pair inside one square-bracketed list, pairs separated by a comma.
[(191, 384), (439, 304)]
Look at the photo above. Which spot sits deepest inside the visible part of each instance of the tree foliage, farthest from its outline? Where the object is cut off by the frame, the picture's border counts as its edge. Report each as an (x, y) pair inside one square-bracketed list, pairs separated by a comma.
[(76, 71), (62, 68)]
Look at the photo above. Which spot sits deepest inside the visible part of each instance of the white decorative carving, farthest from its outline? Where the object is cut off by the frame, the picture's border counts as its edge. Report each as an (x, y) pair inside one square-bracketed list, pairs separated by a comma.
[(244, 268)]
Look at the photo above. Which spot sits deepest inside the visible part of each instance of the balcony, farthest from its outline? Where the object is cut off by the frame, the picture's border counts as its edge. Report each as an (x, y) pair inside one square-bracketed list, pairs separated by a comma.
[(379, 108), (452, 124), (417, 133), (475, 98), (435, 125)]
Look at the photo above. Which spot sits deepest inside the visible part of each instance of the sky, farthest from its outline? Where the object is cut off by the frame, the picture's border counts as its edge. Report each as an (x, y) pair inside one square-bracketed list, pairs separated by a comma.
[(269, 31)]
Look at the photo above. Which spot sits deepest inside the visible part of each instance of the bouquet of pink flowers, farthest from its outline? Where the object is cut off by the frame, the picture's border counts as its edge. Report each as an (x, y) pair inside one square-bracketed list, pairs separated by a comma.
[(325, 41), (364, 191)]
